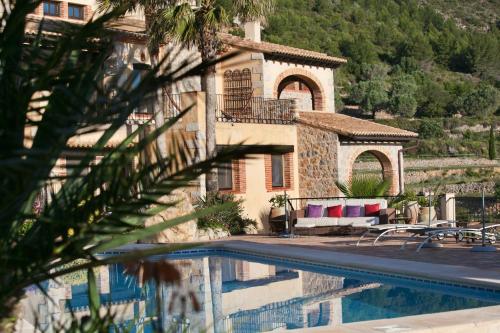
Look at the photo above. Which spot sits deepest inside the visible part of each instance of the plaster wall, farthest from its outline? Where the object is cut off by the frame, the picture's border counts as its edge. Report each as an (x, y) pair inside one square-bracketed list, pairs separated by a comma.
[(387, 155), (256, 196)]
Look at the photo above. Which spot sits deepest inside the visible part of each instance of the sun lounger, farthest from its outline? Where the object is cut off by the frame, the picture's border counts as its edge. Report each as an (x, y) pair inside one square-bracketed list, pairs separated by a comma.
[(473, 234), (382, 230), (440, 233), (430, 233)]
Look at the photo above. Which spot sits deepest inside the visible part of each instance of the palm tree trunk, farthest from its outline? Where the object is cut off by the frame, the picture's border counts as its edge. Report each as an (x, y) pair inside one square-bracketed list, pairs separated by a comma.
[(161, 141), (208, 85), (157, 98)]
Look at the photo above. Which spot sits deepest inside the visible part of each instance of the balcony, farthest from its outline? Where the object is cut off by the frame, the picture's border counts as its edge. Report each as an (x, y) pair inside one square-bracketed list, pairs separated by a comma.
[(171, 104), (230, 109), (259, 110)]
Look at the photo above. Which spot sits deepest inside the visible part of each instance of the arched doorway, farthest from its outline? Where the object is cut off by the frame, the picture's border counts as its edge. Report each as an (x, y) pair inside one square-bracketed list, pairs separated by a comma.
[(367, 164), (376, 164), (301, 85), (294, 87)]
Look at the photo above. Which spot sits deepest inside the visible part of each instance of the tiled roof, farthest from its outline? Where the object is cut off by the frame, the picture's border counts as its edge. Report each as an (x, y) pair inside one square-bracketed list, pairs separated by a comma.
[(352, 127), (278, 50), (128, 26)]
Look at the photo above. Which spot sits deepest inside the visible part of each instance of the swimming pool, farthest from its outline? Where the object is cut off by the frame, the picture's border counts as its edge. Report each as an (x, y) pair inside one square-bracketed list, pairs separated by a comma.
[(242, 292)]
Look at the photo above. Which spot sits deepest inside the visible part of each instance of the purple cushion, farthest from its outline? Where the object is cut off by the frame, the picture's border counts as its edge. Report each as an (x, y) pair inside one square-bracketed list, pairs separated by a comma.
[(353, 211), (314, 211)]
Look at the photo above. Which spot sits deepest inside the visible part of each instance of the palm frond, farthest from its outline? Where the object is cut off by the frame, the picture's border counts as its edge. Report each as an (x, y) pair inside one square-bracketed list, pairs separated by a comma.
[(53, 85), (364, 186)]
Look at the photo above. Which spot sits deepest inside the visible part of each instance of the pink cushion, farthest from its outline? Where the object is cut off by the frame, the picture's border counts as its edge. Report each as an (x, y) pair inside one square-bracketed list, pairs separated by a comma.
[(372, 209), (334, 211)]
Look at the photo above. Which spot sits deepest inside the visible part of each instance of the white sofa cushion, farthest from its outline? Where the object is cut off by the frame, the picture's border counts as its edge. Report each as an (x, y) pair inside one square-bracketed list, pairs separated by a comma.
[(364, 221), (309, 222)]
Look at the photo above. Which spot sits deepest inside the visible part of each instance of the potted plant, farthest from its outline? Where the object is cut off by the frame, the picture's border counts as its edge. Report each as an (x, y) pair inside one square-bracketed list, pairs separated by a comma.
[(411, 207), (277, 205), (425, 210)]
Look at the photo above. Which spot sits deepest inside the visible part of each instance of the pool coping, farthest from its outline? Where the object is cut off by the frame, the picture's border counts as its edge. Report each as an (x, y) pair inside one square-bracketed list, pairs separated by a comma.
[(451, 274)]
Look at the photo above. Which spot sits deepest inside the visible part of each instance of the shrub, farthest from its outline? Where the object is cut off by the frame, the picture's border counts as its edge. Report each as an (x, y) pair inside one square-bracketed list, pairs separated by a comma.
[(430, 129), (230, 218)]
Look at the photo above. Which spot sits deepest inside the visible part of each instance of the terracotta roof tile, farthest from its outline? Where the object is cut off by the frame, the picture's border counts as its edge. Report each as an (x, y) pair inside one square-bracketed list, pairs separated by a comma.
[(352, 127), (128, 26), (281, 50)]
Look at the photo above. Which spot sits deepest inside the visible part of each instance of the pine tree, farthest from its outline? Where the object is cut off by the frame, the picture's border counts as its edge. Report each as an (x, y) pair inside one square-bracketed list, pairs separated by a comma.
[(492, 149)]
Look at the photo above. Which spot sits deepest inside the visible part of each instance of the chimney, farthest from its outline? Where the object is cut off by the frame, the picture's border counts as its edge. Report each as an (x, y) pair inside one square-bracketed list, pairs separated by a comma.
[(252, 31)]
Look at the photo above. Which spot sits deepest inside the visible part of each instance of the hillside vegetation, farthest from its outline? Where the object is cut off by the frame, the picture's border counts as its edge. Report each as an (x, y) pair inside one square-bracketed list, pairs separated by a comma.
[(411, 58)]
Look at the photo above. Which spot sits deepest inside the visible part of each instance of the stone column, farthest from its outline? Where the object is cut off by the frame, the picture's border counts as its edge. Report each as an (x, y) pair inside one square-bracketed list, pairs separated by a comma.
[(447, 205)]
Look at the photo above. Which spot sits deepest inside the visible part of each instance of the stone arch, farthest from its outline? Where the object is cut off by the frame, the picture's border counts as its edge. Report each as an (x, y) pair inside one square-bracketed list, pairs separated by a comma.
[(389, 167), (302, 75)]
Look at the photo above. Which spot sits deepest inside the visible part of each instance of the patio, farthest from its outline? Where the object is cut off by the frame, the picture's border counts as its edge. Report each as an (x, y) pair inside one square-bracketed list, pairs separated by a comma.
[(452, 253)]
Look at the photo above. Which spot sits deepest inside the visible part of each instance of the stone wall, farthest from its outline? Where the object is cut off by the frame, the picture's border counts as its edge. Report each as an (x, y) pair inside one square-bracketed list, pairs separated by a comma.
[(317, 161)]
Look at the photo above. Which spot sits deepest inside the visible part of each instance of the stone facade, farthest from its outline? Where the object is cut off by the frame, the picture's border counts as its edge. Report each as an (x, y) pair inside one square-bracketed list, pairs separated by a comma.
[(181, 233), (317, 161)]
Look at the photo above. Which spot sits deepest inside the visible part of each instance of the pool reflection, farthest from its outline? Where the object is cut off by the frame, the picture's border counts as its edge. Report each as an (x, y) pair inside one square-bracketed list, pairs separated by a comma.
[(233, 296)]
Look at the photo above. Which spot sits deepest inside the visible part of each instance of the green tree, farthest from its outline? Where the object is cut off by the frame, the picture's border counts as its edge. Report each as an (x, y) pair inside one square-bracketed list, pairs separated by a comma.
[(370, 95), (482, 101), (432, 99), (402, 97), (481, 54), (429, 129), (492, 149)]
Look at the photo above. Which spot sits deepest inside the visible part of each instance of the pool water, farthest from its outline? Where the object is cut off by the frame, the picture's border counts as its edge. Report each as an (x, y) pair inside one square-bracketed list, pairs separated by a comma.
[(231, 292)]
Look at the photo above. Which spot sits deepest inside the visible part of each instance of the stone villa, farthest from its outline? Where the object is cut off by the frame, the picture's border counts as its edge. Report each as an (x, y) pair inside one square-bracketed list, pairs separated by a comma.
[(269, 95)]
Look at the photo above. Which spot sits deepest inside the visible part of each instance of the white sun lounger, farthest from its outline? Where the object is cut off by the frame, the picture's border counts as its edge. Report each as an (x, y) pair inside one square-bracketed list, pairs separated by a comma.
[(382, 230)]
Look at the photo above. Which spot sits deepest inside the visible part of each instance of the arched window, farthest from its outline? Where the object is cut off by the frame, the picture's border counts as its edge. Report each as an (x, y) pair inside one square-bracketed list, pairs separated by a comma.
[(237, 91)]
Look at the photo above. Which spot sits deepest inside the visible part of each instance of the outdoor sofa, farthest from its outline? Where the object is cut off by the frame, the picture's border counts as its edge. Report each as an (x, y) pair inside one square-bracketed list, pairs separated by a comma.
[(303, 223)]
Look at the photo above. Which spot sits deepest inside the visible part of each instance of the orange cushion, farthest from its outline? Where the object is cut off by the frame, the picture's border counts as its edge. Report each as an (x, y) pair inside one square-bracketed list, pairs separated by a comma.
[(334, 211), (372, 210)]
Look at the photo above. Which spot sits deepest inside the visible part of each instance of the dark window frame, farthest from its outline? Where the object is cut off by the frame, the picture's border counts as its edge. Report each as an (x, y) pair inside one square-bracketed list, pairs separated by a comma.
[(71, 7), (225, 180), (48, 5), (277, 175)]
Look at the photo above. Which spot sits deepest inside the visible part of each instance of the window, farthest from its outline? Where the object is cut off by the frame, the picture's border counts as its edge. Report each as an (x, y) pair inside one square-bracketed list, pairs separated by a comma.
[(75, 12), (225, 176), (51, 8), (277, 166)]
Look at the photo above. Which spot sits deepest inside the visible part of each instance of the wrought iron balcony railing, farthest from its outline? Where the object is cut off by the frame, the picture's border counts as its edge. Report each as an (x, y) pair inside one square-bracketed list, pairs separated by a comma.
[(171, 105), (245, 109)]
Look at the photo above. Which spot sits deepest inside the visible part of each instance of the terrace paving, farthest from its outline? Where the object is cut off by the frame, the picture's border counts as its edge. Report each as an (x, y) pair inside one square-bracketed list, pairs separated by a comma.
[(456, 254)]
